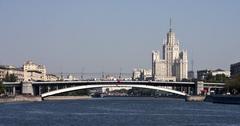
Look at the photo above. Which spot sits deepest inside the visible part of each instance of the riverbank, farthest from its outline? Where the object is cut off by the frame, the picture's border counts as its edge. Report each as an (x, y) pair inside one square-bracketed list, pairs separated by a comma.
[(67, 97), (20, 98)]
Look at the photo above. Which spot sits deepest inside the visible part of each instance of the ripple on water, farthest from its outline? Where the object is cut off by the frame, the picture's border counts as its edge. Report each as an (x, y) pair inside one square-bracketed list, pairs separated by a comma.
[(123, 112)]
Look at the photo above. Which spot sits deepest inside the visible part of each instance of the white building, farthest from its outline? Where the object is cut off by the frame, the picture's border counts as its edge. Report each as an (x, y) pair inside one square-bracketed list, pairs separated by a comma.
[(142, 74), (34, 72), (220, 72), (70, 78), (173, 66), (52, 77), (33, 75), (2, 74), (7, 69), (136, 74)]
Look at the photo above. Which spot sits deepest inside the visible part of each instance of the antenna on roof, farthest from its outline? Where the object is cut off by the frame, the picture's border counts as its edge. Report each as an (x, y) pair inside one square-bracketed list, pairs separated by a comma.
[(192, 63)]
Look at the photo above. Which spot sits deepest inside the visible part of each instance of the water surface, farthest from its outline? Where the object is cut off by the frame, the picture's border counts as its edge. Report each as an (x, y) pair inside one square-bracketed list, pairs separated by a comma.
[(115, 111)]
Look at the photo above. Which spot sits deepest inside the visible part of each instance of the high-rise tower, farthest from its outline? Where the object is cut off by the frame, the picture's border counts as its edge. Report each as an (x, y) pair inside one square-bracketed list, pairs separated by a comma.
[(173, 66)]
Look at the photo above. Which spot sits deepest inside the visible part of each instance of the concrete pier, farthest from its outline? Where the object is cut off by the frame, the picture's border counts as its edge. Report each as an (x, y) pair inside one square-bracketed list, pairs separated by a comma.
[(67, 97), (20, 98)]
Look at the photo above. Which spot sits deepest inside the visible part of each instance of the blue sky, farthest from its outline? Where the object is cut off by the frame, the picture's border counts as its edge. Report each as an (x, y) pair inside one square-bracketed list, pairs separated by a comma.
[(106, 35)]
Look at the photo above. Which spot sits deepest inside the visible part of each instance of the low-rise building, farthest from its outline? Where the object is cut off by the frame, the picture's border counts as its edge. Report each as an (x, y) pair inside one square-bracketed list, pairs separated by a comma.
[(110, 78), (136, 74), (203, 74), (33, 75), (29, 72), (142, 74), (2, 74), (52, 77), (7, 69), (146, 74), (34, 72), (220, 71), (235, 69), (70, 78)]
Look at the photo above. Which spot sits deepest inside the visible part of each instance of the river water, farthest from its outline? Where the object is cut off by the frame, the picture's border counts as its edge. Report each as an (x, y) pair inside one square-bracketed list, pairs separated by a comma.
[(140, 111)]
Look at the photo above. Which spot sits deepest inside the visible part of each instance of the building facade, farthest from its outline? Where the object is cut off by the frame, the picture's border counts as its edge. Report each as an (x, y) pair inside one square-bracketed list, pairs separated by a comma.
[(29, 72), (235, 69), (202, 75), (136, 74), (34, 72), (7, 69), (142, 74), (173, 66), (52, 77), (220, 71)]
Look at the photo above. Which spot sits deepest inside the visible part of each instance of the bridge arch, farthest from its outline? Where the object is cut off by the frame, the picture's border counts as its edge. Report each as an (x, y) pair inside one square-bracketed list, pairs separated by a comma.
[(102, 85)]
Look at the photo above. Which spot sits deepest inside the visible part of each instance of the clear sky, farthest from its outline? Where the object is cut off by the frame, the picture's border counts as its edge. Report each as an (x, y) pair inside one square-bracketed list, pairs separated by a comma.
[(106, 35)]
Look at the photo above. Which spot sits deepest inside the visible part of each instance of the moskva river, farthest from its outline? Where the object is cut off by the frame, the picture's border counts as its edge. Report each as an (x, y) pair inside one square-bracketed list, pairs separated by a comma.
[(140, 111)]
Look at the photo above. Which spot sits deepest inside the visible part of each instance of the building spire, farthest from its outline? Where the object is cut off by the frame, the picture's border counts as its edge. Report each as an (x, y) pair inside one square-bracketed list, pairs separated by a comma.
[(170, 25)]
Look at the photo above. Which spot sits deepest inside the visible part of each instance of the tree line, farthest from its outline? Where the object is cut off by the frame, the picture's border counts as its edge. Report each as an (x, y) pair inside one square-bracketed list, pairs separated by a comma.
[(8, 78), (233, 85)]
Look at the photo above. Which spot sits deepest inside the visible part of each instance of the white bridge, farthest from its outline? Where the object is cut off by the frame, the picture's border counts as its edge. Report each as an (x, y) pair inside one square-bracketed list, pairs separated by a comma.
[(45, 89), (113, 85)]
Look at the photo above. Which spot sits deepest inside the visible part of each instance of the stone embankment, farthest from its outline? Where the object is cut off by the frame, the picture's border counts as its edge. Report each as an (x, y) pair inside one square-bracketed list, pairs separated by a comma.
[(66, 97), (20, 98)]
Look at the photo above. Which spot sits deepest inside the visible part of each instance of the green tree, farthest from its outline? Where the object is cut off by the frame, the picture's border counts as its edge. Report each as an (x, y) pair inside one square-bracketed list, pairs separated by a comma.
[(10, 78), (219, 78), (233, 85), (1, 87)]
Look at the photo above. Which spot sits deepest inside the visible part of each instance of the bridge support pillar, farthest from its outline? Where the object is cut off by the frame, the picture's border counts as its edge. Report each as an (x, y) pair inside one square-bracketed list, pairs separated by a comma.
[(14, 90), (48, 88), (199, 87), (189, 91), (27, 88), (40, 90)]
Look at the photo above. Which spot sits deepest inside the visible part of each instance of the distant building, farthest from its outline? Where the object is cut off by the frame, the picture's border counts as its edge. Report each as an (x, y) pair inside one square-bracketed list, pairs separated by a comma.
[(70, 78), (7, 69), (29, 72), (136, 74), (235, 69), (146, 74), (33, 75), (191, 75), (220, 71), (34, 72), (2, 74), (52, 77), (142, 74), (203, 74), (174, 64)]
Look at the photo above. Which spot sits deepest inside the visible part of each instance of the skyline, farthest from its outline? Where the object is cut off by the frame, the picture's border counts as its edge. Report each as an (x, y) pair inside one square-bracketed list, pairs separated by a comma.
[(69, 36)]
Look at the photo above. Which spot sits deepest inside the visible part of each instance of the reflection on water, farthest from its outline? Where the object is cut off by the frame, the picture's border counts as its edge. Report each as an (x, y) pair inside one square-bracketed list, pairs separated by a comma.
[(115, 111)]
